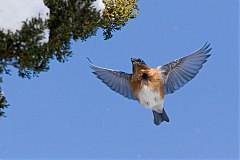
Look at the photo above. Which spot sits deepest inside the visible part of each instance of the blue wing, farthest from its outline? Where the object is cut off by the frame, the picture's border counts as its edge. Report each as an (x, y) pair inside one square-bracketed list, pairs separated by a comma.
[(177, 73), (118, 81)]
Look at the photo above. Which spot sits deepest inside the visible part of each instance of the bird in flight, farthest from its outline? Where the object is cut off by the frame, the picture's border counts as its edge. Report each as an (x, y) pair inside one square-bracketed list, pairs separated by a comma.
[(149, 85)]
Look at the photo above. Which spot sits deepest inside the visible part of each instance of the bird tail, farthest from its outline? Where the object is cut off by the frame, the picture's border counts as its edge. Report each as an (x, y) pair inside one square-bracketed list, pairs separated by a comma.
[(160, 117)]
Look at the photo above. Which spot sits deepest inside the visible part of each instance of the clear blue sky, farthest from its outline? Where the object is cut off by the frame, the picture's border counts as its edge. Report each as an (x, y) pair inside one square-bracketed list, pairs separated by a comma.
[(69, 113)]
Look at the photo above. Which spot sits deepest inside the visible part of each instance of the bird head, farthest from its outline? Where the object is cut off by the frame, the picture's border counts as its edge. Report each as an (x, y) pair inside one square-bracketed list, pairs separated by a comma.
[(138, 65), (137, 61)]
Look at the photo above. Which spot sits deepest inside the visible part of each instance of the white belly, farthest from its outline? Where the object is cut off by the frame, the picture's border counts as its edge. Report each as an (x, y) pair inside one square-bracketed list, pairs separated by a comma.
[(150, 99)]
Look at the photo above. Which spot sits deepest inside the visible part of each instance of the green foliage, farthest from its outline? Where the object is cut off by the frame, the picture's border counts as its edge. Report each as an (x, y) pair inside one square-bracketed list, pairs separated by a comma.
[(3, 102), (72, 20), (3, 105), (68, 19), (24, 50), (117, 14)]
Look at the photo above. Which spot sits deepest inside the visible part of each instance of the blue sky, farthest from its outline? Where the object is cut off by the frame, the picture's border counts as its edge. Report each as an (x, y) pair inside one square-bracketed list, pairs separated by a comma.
[(69, 113)]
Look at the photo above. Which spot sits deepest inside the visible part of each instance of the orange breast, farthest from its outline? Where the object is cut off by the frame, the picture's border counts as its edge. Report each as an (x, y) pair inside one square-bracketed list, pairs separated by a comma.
[(154, 81)]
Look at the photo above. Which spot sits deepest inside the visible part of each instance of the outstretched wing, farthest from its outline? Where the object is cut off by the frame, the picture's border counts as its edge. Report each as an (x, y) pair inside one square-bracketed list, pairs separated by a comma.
[(118, 81), (179, 72)]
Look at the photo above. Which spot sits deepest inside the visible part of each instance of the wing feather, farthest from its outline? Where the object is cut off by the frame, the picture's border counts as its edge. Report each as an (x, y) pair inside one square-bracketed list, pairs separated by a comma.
[(116, 80), (177, 73)]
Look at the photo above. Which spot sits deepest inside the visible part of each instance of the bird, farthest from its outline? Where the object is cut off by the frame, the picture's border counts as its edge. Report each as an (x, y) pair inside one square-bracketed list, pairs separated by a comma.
[(149, 85)]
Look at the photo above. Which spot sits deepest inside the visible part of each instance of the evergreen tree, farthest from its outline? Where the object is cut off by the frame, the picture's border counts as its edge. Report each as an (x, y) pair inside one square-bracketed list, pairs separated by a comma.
[(26, 50)]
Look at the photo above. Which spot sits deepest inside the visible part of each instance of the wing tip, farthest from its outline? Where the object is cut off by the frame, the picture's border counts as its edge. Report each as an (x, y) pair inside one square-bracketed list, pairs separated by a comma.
[(205, 48), (89, 61), (91, 65), (208, 55)]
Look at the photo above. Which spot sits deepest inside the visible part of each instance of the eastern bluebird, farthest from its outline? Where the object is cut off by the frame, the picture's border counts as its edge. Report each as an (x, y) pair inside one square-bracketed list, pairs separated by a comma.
[(149, 85)]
